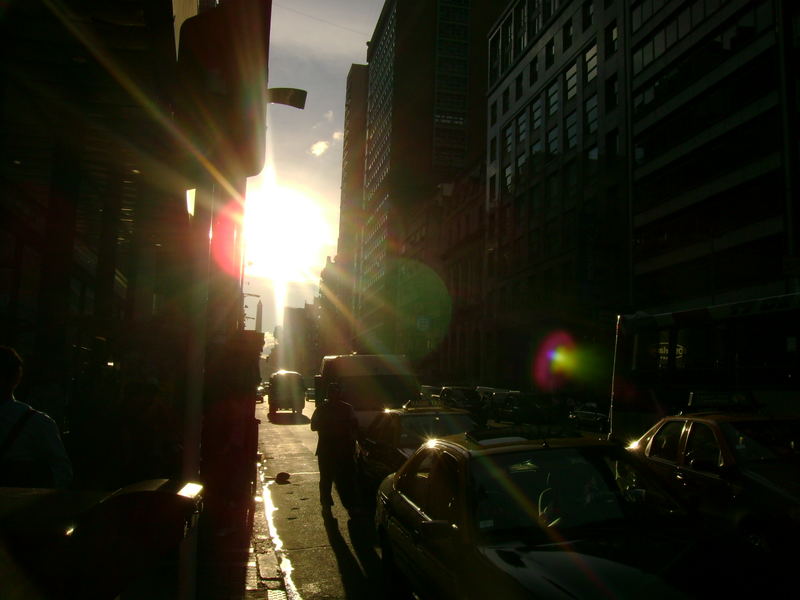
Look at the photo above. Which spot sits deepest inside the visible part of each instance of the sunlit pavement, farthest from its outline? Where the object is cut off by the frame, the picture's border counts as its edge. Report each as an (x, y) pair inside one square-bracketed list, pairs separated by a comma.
[(297, 554)]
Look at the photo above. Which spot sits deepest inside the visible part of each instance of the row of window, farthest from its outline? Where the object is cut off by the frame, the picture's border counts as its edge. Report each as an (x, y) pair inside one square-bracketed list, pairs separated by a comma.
[(671, 32), (520, 28), (704, 58)]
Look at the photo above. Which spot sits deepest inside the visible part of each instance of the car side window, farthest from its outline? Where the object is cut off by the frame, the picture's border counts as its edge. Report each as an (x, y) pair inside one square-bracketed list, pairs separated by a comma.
[(702, 447), (443, 497), (665, 442), (416, 480)]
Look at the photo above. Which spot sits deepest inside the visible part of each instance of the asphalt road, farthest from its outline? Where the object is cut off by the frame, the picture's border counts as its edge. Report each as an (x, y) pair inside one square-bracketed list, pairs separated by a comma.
[(337, 561)]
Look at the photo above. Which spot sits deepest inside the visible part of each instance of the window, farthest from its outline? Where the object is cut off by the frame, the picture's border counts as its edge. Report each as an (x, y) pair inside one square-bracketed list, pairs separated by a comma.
[(612, 92), (521, 160), (533, 70), (612, 38), (567, 34), (590, 63), (587, 14), (571, 130), (552, 99), (506, 44), (509, 177), (493, 113), (493, 149), (522, 130), (571, 81), (549, 54), (518, 87), (536, 158), (536, 114), (552, 141), (702, 448), (415, 482), (520, 27), (665, 442), (508, 141), (590, 113), (494, 58), (505, 100)]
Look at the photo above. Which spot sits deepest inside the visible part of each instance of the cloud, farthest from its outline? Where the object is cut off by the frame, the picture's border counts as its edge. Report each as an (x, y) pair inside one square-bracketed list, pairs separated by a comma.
[(328, 116), (338, 136), (319, 148)]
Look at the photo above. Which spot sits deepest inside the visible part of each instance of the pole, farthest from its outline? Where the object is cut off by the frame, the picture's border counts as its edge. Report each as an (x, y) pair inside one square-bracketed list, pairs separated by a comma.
[(613, 379)]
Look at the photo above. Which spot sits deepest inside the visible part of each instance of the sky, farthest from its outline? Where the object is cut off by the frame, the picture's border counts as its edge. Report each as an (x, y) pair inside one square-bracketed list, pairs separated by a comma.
[(292, 208)]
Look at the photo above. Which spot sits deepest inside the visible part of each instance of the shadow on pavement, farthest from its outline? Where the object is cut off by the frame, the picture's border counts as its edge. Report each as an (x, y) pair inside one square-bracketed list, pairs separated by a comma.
[(287, 418), (359, 568)]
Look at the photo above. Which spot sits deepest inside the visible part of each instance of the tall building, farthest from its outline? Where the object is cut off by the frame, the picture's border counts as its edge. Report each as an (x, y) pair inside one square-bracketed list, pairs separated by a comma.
[(424, 123), (714, 165), (338, 285), (556, 179)]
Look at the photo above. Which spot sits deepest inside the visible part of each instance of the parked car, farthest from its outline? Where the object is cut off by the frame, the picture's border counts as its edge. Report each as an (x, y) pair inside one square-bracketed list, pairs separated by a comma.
[(514, 517), (518, 407), (589, 417), (394, 435), (460, 397), (742, 469), (429, 393), (286, 391)]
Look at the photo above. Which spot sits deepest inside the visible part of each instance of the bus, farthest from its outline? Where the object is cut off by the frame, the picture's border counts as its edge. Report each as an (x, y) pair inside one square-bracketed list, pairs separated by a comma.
[(737, 353)]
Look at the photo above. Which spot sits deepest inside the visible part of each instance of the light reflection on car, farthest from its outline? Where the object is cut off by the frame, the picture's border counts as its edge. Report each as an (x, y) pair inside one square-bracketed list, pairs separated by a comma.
[(466, 517), (742, 469), (395, 434)]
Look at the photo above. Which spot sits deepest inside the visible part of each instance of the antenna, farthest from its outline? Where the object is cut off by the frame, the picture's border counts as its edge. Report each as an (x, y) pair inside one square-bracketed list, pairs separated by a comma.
[(613, 379)]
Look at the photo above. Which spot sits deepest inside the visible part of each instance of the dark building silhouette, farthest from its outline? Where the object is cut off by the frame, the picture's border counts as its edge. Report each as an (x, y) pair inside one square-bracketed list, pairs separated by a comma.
[(424, 122), (337, 280), (556, 192), (714, 152)]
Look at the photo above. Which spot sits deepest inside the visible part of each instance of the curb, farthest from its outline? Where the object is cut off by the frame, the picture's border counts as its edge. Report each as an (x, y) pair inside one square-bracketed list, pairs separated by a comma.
[(264, 571)]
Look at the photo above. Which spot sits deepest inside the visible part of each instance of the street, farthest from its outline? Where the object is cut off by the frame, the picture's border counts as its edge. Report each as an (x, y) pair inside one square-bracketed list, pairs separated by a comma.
[(337, 561)]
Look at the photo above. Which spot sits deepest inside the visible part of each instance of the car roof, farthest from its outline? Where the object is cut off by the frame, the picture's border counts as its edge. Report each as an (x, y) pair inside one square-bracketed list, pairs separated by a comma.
[(505, 440), (732, 417), (426, 410)]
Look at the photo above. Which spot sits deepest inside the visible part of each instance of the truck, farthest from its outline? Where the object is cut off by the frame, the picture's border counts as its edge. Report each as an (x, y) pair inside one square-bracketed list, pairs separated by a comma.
[(370, 383)]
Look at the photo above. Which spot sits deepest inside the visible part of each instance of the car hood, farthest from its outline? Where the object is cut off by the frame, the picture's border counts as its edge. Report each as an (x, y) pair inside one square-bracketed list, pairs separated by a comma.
[(631, 564), (779, 477)]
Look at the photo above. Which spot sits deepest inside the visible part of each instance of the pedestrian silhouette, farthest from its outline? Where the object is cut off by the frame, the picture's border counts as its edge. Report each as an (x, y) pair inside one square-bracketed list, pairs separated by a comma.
[(337, 429), (31, 451)]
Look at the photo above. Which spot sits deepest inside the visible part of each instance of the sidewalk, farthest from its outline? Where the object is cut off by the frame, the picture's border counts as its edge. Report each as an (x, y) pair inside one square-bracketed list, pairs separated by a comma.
[(264, 576)]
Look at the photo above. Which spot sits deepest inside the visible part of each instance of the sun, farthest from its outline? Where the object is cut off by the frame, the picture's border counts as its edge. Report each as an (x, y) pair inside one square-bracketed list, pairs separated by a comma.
[(285, 234)]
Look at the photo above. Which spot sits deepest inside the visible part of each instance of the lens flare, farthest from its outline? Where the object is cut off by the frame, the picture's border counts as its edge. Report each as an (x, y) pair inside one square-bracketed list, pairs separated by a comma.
[(556, 361)]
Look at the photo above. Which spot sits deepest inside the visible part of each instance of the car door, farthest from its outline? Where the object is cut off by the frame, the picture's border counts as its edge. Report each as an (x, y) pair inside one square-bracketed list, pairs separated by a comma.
[(701, 472), (370, 447), (443, 556), (663, 451), (405, 514)]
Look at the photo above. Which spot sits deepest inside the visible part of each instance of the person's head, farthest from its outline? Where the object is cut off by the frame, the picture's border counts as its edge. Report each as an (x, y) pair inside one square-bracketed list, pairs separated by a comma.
[(10, 370), (334, 392)]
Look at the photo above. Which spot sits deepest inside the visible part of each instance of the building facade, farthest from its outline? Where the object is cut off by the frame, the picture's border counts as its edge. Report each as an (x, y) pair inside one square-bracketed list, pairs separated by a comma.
[(424, 122), (714, 162), (556, 179)]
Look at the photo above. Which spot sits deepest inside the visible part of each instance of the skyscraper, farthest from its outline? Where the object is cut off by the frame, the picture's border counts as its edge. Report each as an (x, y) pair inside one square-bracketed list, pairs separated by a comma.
[(424, 123)]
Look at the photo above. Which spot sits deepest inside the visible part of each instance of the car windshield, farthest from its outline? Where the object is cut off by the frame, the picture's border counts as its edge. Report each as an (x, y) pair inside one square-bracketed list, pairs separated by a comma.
[(564, 489), (416, 429), (754, 441)]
